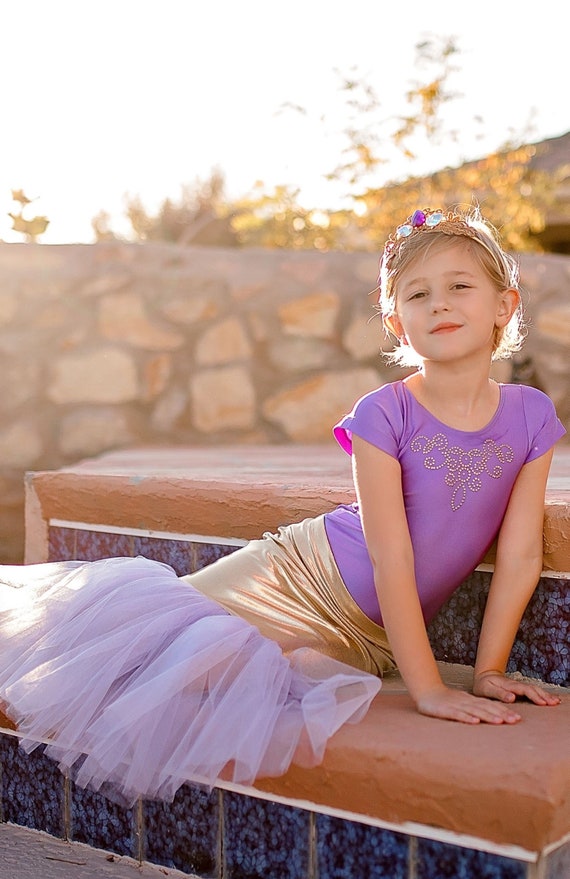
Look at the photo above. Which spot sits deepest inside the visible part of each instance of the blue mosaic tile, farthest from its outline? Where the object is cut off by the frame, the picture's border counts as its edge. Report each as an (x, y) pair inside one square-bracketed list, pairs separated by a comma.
[(206, 553), (101, 823), (32, 788), (558, 863), (348, 850), (541, 646), (264, 839), (61, 544), (438, 859), (184, 834), (93, 545), (454, 632), (176, 553)]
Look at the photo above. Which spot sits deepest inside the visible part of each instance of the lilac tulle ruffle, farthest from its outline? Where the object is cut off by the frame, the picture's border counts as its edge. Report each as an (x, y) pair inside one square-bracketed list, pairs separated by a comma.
[(140, 683)]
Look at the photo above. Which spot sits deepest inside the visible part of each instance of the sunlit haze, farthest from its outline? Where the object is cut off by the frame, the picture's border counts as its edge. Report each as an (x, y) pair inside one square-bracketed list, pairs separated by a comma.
[(100, 99)]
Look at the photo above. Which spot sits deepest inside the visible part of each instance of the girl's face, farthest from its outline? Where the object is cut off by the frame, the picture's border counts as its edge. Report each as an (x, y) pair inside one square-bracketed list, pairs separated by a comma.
[(447, 307)]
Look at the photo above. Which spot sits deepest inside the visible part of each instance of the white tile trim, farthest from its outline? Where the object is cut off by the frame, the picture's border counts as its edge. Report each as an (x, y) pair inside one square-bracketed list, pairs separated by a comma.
[(146, 532)]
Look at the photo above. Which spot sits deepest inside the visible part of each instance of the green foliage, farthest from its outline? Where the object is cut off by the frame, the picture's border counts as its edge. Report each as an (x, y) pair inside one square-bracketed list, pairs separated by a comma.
[(374, 139), (510, 193), (275, 219)]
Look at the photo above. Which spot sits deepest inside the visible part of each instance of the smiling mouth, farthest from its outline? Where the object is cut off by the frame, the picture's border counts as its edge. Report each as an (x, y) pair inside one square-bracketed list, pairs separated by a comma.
[(445, 328)]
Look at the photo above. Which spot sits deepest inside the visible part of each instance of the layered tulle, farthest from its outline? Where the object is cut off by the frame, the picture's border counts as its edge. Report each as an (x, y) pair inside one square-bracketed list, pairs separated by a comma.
[(139, 683)]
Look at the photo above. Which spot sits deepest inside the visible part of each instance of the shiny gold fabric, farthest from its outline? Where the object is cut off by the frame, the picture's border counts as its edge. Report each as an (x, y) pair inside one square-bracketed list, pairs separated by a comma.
[(288, 585)]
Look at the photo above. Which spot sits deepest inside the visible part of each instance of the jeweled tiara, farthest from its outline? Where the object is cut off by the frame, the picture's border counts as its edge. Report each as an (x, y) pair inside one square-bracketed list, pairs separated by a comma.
[(428, 220), (424, 221)]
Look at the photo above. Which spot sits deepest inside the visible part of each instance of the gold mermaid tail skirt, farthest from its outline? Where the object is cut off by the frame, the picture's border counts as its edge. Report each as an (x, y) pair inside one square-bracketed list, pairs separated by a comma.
[(288, 585)]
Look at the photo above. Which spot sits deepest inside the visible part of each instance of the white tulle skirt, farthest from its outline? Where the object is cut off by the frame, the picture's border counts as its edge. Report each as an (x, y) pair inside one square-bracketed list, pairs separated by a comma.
[(138, 683)]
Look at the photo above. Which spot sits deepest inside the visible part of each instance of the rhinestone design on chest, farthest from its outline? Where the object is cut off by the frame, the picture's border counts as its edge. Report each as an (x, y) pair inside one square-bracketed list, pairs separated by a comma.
[(464, 466)]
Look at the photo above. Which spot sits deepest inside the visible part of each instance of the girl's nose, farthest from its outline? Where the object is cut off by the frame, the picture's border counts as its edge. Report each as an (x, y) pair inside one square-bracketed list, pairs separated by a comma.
[(439, 301)]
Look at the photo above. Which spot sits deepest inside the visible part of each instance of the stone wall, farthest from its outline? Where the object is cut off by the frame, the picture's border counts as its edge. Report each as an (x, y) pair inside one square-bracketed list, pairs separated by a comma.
[(116, 345)]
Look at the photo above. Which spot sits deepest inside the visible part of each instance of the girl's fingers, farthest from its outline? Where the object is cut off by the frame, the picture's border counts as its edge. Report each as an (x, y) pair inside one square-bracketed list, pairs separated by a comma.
[(465, 708), (502, 715), (506, 690), (536, 694), (495, 707)]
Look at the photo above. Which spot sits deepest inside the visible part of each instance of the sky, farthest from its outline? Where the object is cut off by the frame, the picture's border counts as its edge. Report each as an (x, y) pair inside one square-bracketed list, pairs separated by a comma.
[(102, 99)]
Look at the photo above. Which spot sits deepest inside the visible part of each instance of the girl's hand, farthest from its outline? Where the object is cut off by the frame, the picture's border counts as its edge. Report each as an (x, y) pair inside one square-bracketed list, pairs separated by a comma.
[(458, 705), (494, 685)]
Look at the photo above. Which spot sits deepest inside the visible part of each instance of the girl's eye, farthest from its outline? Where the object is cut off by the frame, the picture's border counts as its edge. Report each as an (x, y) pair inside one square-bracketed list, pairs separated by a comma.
[(418, 295)]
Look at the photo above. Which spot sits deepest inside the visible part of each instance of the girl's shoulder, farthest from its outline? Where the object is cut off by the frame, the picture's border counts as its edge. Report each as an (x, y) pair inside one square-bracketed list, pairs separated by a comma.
[(521, 390), (388, 402), (532, 411), (377, 417), (531, 399), (390, 393)]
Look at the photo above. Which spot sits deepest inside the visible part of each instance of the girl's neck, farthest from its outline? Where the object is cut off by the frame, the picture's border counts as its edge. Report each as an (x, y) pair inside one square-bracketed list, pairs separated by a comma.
[(465, 399)]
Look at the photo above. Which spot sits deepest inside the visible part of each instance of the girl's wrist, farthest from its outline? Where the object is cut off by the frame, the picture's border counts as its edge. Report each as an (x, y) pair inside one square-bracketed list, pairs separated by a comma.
[(479, 674), (421, 693)]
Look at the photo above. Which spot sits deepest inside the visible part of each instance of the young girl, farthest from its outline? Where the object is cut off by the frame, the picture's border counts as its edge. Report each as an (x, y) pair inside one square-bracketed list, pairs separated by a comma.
[(143, 680)]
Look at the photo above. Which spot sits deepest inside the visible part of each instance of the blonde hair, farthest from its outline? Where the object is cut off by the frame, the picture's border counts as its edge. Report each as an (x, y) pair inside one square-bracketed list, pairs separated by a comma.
[(501, 268)]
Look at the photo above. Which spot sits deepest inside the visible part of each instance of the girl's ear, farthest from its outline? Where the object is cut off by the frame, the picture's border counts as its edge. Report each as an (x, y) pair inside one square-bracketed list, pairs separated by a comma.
[(508, 304), (393, 325)]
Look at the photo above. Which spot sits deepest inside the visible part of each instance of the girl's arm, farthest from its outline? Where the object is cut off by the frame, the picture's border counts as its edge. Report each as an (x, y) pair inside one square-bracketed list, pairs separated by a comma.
[(377, 478), (518, 567)]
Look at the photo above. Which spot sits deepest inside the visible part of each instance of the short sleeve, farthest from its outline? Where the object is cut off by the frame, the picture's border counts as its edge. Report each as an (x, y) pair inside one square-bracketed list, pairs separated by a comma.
[(543, 425), (377, 418)]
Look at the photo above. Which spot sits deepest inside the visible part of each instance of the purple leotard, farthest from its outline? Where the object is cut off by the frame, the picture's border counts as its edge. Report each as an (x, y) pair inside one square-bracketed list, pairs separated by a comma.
[(456, 485)]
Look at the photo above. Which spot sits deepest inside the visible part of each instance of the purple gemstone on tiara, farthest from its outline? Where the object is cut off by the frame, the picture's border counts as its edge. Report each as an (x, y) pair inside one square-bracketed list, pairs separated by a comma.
[(418, 219)]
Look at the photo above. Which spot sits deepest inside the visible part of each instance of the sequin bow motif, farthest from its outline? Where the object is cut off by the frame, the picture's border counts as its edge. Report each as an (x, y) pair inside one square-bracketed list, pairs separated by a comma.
[(464, 466)]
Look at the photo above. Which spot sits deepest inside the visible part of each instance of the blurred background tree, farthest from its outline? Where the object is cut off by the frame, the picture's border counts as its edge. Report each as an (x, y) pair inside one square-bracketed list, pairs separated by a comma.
[(512, 194), (202, 215), (277, 219), (30, 227)]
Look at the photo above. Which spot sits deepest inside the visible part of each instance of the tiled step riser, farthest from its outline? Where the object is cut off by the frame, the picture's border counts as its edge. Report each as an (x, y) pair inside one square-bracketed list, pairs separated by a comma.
[(541, 648), (218, 833)]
